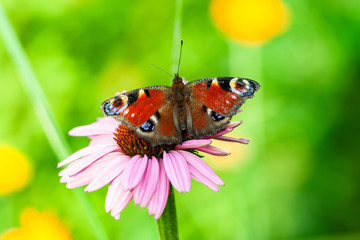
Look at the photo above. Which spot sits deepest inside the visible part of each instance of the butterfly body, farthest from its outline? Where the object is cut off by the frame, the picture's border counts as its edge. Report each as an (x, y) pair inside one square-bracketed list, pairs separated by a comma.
[(164, 115)]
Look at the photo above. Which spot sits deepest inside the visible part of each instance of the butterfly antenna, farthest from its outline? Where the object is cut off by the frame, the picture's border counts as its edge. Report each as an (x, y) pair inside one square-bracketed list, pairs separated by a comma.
[(161, 69), (178, 69)]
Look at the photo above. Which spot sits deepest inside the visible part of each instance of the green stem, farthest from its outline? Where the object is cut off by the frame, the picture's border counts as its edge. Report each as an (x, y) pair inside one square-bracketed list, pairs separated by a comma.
[(167, 223), (45, 114), (176, 36)]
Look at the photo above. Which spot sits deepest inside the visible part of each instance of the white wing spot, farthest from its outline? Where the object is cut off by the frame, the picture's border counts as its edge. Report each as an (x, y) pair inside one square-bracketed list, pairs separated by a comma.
[(133, 114)]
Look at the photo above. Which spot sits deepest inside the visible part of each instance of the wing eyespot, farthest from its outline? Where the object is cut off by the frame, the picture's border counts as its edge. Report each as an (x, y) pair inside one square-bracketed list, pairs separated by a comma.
[(110, 108), (148, 126), (216, 117)]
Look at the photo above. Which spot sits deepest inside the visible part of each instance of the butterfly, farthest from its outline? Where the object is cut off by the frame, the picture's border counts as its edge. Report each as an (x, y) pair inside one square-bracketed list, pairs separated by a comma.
[(165, 115)]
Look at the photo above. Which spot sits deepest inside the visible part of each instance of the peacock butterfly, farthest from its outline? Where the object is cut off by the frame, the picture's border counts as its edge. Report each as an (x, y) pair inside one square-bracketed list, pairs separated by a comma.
[(164, 115)]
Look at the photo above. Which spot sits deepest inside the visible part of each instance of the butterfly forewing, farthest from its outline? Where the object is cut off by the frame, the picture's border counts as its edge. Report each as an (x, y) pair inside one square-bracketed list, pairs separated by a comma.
[(213, 101), (134, 108), (224, 95)]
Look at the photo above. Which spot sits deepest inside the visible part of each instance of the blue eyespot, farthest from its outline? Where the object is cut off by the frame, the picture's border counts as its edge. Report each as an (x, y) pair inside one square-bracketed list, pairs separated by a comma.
[(110, 110), (148, 126), (216, 117)]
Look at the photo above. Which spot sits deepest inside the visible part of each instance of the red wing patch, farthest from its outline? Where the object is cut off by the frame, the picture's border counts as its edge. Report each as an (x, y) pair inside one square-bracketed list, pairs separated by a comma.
[(135, 107), (144, 107), (214, 97)]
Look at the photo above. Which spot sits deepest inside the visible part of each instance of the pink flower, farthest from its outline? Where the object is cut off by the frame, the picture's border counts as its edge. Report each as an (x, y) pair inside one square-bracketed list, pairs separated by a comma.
[(135, 170)]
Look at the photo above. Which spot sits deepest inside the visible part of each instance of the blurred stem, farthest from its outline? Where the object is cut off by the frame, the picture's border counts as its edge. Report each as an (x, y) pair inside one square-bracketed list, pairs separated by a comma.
[(176, 36), (45, 115), (32, 88), (167, 223), (246, 61), (6, 212)]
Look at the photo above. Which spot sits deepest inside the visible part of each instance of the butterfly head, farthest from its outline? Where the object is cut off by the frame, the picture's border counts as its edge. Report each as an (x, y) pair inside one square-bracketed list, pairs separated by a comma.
[(177, 79)]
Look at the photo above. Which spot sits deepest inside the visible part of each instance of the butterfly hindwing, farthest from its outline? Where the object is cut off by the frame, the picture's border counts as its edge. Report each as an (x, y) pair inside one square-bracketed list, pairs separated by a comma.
[(202, 121), (164, 129), (147, 111)]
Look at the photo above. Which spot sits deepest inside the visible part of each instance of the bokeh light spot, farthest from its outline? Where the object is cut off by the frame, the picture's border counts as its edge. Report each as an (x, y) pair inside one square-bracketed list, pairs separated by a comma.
[(15, 171), (37, 226), (250, 21)]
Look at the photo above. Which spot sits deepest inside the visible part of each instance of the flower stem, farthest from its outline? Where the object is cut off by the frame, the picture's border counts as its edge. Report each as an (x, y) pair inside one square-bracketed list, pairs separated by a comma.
[(167, 223)]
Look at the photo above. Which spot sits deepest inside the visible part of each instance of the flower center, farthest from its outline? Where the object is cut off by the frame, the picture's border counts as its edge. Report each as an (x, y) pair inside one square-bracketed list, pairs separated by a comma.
[(132, 145)]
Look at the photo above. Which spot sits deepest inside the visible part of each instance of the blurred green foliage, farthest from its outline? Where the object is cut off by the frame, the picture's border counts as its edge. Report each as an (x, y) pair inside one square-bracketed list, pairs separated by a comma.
[(299, 177)]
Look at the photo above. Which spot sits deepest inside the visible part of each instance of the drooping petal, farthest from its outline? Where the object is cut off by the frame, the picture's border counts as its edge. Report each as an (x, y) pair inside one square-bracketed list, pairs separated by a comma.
[(195, 174), (227, 129), (158, 201), (88, 174), (145, 189), (230, 139), (177, 171), (202, 167), (84, 162), (113, 168), (193, 143), (134, 171), (213, 150), (86, 151), (114, 185), (120, 199), (233, 124)]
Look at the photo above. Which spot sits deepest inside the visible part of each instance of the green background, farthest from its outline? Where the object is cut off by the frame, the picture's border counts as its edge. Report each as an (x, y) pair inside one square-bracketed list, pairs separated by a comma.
[(299, 176)]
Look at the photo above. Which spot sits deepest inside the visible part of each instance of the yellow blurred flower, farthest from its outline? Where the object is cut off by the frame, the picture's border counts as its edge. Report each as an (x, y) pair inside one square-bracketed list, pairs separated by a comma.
[(250, 21), (16, 170), (37, 226)]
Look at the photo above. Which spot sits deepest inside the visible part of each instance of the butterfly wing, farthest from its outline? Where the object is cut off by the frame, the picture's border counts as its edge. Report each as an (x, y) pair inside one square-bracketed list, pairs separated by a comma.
[(147, 111), (213, 101)]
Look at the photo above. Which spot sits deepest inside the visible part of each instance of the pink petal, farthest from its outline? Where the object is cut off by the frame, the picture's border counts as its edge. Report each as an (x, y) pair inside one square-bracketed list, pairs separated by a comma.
[(145, 189), (134, 172), (177, 171), (230, 139), (121, 199), (113, 188), (109, 172), (103, 139), (227, 129), (107, 120), (84, 162), (202, 167), (233, 124), (158, 201), (195, 174), (193, 143), (84, 152), (87, 175), (93, 129), (213, 150)]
